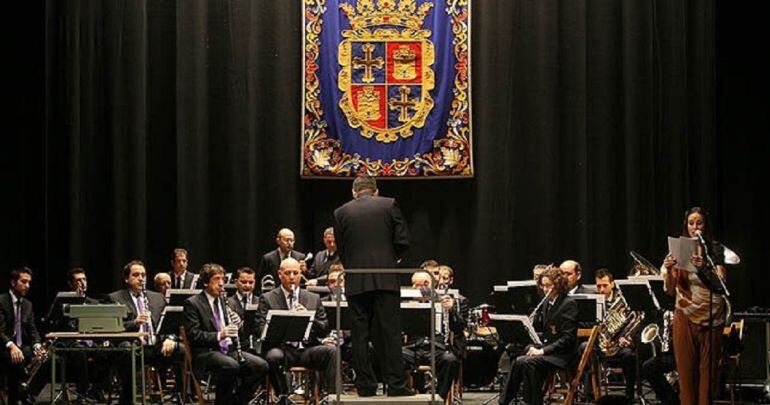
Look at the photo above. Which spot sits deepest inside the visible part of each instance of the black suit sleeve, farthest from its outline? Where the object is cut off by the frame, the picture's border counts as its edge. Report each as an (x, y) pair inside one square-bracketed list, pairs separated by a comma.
[(5, 322), (194, 329), (320, 322), (400, 230), (568, 333)]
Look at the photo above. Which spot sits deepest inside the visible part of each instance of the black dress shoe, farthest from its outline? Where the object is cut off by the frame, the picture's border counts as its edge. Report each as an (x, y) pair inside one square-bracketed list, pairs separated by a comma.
[(366, 392), (399, 392)]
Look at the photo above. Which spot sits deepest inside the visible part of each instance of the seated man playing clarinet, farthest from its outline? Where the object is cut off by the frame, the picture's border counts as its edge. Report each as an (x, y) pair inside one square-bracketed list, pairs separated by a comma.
[(556, 319), (318, 352), (214, 341), (144, 309)]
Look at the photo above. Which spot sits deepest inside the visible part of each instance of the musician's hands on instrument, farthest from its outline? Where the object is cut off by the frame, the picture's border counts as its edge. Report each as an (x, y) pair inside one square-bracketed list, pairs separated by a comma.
[(669, 262), (168, 347), (17, 357), (142, 319), (39, 350), (447, 302), (534, 351), (230, 331), (300, 307), (625, 341), (312, 282)]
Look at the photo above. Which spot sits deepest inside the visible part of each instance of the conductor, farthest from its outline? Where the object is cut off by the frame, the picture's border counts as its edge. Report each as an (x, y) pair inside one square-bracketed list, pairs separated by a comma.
[(371, 233)]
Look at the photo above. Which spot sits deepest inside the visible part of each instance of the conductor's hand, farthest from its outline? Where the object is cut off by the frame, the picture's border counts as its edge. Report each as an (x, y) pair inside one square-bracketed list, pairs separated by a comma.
[(142, 319), (447, 302), (17, 357), (669, 262), (533, 351), (168, 347)]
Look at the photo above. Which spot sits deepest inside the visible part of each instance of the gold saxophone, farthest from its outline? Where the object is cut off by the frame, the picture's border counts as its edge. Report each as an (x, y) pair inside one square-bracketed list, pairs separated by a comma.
[(618, 322)]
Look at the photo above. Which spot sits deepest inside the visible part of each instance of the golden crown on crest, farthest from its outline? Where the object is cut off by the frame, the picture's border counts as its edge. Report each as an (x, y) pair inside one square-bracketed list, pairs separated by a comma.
[(403, 13)]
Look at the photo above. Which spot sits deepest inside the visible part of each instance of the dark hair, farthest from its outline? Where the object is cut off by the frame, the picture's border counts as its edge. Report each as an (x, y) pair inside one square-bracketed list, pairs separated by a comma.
[(244, 270), (364, 182), (704, 214), (604, 272), (210, 270), (127, 267), (73, 271), (336, 266), (17, 272), (178, 251), (557, 277)]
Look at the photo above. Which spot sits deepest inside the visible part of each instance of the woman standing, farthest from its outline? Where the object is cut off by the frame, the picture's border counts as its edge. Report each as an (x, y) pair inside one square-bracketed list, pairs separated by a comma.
[(694, 342)]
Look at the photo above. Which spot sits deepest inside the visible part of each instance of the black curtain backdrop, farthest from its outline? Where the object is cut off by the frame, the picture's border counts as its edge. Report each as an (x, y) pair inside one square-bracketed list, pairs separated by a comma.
[(145, 125)]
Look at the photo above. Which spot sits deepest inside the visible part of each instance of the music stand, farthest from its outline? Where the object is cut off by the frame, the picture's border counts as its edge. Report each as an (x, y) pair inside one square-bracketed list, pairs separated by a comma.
[(331, 313), (170, 321), (515, 329), (638, 295), (177, 296), (415, 318), (250, 322), (590, 308), (666, 301), (55, 314), (283, 325), (517, 297)]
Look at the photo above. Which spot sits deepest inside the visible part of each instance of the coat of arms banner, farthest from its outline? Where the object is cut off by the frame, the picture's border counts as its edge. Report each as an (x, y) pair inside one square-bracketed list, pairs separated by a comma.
[(386, 88)]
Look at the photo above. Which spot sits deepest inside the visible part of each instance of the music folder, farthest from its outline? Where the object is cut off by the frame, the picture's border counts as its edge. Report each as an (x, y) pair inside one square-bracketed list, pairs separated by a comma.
[(331, 313), (415, 318), (656, 283), (283, 325), (638, 295), (516, 297), (515, 329), (170, 321), (591, 308), (177, 296)]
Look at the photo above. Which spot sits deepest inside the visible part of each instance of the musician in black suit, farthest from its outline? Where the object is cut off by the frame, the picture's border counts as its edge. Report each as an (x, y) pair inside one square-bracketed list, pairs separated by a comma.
[(272, 259), (556, 319), (144, 309), (573, 271), (211, 335), (317, 353), (370, 232), (18, 334), (324, 258), (180, 276), (244, 283)]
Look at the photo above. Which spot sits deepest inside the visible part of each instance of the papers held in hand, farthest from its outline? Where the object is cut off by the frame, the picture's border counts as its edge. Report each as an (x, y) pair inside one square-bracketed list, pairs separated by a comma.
[(682, 248)]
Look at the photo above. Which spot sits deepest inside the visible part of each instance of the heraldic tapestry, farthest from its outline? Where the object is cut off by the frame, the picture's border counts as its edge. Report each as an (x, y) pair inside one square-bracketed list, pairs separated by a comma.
[(386, 88)]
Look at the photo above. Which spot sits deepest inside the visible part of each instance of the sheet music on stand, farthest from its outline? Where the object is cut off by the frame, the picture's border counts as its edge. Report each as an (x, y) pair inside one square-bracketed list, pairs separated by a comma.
[(283, 325), (638, 295), (177, 296), (591, 308), (516, 297), (515, 329), (666, 302), (170, 321)]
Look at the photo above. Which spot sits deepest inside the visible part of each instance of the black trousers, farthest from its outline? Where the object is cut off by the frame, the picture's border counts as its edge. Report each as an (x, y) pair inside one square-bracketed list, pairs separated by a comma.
[(654, 370), (15, 373), (153, 357), (447, 370), (236, 382), (376, 318), (529, 372), (318, 358)]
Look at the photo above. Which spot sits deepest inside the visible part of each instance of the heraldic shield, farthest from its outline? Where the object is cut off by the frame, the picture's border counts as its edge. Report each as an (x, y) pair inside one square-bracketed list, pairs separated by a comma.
[(386, 75)]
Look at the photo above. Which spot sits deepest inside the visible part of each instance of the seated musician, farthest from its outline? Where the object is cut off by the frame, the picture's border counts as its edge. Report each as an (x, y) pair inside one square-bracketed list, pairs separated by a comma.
[(244, 295), (626, 355), (19, 336), (447, 356), (211, 335), (144, 309), (317, 353), (556, 320), (162, 283)]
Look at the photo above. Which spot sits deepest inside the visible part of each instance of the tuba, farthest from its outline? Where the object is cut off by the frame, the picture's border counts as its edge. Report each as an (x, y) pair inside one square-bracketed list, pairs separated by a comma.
[(619, 322)]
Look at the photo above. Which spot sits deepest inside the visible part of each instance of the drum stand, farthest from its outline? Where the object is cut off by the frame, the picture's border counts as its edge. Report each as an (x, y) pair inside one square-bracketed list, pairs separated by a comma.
[(500, 377)]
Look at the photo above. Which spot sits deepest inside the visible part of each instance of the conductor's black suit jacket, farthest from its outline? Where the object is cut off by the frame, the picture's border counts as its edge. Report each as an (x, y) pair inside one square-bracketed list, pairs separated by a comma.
[(370, 233)]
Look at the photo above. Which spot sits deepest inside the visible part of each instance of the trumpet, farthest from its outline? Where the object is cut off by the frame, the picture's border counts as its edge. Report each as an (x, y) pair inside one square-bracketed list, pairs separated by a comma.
[(30, 371), (234, 319)]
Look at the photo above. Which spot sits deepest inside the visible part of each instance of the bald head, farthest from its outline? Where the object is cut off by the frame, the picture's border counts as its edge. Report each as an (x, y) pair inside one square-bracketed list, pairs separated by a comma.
[(572, 270), (285, 240), (289, 272)]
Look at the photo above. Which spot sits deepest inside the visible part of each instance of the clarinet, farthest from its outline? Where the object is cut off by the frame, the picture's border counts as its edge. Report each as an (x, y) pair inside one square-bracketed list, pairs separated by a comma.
[(146, 304), (234, 319), (445, 318)]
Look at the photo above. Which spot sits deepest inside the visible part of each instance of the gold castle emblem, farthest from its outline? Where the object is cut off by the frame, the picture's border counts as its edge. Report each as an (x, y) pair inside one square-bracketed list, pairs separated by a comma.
[(369, 103), (404, 63)]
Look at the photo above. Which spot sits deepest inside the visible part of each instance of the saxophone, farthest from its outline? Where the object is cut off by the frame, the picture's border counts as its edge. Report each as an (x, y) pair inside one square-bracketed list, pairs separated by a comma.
[(619, 322)]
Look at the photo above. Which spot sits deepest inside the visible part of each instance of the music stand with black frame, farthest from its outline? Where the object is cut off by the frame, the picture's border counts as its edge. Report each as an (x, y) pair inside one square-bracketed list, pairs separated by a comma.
[(177, 296), (513, 329), (283, 325)]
